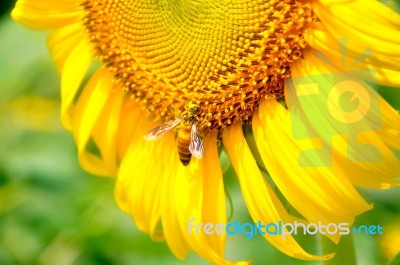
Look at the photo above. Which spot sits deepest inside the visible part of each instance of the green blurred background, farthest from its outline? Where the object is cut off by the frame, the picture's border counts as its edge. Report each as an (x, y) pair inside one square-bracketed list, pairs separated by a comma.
[(52, 212)]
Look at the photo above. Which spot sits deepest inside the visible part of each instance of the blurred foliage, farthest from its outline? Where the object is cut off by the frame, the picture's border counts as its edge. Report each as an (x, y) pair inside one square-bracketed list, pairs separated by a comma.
[(51, 212), (5, 6), (396, 260)]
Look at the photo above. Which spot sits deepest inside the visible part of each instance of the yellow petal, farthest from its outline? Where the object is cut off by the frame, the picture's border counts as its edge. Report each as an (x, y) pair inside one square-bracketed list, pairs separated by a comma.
[(62, 41), (358, 16), (93, 164), (378, 177), (214, 206), (260, 199), (390, 133), (42, 14), (88, 109), (106, 130), (199, 197), (131, 113), (173, 193), (140, 180), (326, 193), (73, 71), (174, 230), (379, 128), (336, 49), (366, 25)]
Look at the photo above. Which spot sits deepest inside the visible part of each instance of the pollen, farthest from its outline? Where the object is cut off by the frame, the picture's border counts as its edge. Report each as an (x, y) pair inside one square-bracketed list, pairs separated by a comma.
[(221, 56)]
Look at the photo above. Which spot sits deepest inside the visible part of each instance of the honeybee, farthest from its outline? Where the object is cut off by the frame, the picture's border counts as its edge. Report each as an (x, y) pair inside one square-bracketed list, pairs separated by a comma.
[(189, 141)]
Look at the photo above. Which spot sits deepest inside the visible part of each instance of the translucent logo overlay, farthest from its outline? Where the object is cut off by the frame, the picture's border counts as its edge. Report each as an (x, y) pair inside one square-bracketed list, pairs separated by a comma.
[(335, 104), (280, 228)]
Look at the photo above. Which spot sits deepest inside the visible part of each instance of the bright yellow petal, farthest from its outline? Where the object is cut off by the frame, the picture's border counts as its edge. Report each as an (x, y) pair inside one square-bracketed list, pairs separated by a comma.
[(42, 14), (74, 70), (365, 25), (174, 230), (326, 193), (131, 113), (380, 127), (390, 133), (260, 199), (140, 181), (106, 130), (171, 192), (62, 41), (87, 112), (378, 177), (385, 66), (198, 194), (214, 206)]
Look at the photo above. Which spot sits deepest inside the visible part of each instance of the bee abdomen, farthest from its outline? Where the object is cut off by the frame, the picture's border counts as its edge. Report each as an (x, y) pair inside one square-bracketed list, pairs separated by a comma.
[(183, 148)]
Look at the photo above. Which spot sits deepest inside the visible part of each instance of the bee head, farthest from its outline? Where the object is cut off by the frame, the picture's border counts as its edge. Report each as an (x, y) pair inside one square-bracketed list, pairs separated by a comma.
[(191, 112)]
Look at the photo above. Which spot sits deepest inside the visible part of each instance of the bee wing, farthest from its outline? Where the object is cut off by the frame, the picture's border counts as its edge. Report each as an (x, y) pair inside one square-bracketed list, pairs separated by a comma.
[(159, 131), (196, 143)]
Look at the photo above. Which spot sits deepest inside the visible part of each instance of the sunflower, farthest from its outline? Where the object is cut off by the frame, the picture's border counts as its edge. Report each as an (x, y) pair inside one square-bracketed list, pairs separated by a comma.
[(210, 71)]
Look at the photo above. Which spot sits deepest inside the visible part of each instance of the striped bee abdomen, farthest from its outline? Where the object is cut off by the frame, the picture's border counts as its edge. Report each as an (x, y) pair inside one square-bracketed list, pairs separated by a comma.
[(183, 141)]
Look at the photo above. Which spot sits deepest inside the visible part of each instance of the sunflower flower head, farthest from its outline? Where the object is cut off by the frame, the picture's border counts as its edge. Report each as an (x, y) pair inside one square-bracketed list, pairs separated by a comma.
[(203, 69), (222, 57)]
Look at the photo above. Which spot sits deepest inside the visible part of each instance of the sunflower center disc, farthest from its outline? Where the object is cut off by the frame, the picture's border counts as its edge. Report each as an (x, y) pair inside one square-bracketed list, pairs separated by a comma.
[(220, 56)]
